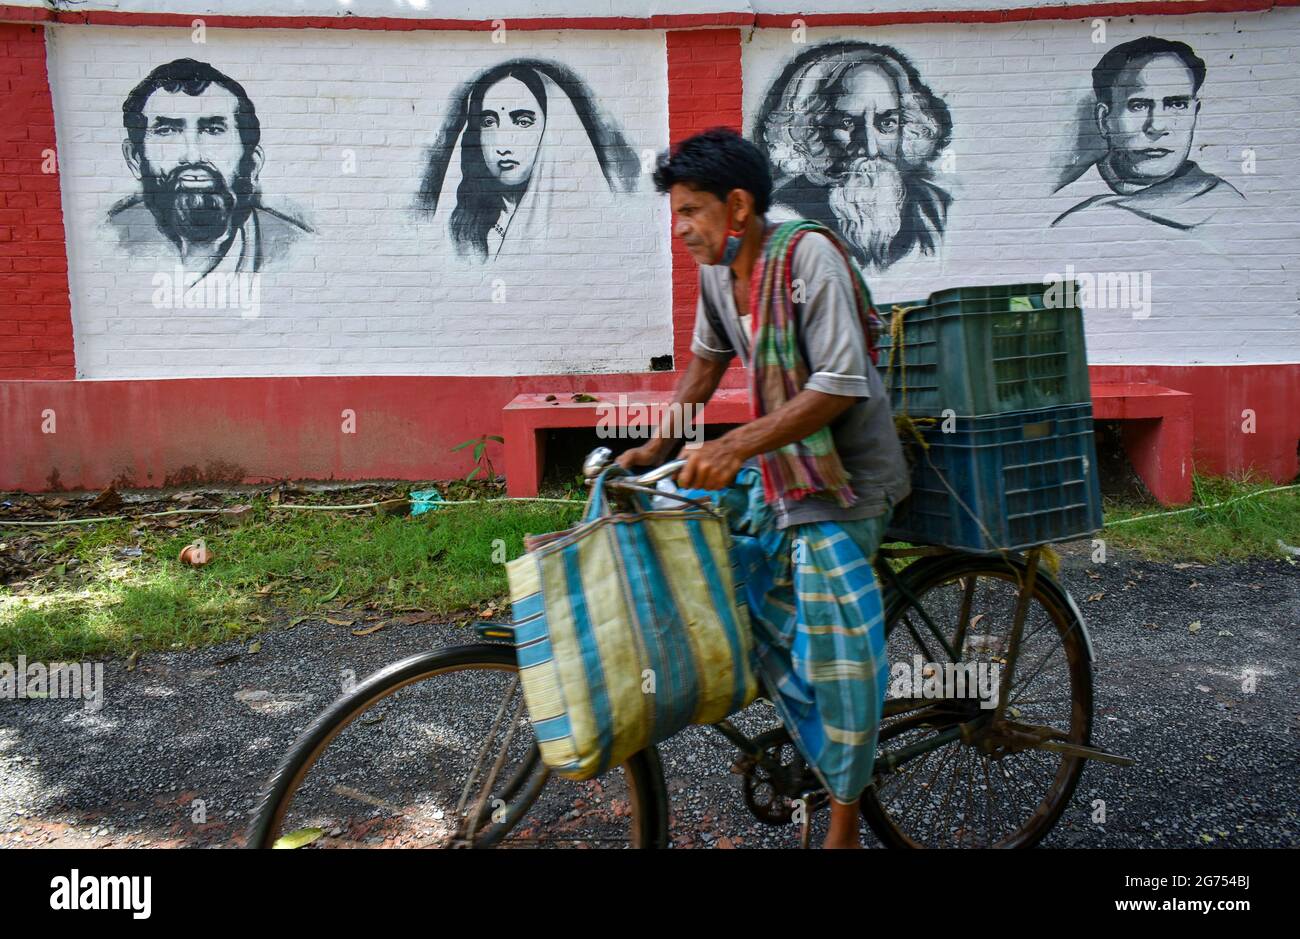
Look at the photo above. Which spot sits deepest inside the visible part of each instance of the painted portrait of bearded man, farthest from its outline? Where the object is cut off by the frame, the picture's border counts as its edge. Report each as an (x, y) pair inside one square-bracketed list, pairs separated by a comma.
[(853, 136)]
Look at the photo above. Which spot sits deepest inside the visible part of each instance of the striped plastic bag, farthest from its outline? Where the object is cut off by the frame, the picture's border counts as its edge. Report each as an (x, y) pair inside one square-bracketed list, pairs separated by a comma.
[(628, 627)]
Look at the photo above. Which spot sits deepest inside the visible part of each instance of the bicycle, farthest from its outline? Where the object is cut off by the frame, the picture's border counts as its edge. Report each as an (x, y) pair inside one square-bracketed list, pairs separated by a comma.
[(1023, 755)]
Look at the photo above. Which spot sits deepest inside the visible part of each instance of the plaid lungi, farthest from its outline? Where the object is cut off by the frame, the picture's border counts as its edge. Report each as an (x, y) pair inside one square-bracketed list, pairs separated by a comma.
[(819, 632)]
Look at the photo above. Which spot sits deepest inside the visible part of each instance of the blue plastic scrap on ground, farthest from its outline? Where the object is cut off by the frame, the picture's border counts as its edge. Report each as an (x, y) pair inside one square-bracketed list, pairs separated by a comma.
[(422, 500)]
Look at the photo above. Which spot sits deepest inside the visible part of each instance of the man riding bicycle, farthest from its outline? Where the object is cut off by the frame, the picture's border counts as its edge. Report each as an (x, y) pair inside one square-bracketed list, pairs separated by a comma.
[(812, 479)]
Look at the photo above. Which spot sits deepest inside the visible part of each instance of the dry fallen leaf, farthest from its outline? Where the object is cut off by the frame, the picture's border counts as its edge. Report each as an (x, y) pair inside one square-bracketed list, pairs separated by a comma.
[(369, 629), (255, 647), (132, 659), (338, 622), (1093, 598), (1194, 627)]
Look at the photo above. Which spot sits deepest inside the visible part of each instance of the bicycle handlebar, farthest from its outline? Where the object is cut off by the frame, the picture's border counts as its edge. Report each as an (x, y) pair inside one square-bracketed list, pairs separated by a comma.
[(601, 457)]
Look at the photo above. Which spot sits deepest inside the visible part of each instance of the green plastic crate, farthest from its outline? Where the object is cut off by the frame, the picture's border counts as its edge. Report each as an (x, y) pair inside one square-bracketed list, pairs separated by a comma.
[(986, 350)]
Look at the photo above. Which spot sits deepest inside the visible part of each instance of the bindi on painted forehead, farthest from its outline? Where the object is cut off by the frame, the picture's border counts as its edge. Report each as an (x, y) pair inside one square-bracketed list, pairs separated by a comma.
[(215, 101), (510, 95)]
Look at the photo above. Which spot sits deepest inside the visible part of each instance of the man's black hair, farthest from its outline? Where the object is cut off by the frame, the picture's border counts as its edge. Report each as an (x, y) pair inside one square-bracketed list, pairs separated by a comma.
[(1107, 71), (193, 78), (717, 161)]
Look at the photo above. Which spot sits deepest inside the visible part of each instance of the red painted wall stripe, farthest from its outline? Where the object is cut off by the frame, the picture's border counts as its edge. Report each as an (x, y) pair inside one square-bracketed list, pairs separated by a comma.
[(1075, 11), (704, 90), (154, 432), (35, 310), (12, 13), (147, 432)]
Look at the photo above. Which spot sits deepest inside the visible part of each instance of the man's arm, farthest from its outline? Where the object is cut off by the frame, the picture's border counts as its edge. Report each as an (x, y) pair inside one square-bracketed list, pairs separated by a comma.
[(716, 464), (837, 360), (694, 388)]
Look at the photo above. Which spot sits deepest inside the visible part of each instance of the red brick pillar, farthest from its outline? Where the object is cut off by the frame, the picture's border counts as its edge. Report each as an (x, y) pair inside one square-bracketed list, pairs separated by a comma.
[(35, 311), (704, 90)]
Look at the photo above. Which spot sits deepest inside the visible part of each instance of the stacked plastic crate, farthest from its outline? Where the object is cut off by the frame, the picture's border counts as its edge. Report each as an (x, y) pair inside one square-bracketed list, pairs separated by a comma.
[(995, 381)]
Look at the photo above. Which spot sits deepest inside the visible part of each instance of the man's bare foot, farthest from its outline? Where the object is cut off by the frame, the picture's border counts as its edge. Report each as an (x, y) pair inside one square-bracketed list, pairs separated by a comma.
[(844, 826)]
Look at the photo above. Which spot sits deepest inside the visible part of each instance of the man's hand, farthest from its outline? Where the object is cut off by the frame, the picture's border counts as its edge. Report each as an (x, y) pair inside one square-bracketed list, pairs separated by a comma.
[(713, 466), (647, 455)]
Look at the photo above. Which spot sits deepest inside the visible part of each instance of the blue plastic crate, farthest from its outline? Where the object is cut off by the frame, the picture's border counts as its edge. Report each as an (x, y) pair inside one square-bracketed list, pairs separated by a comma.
[(1025, 477), (985, 350)]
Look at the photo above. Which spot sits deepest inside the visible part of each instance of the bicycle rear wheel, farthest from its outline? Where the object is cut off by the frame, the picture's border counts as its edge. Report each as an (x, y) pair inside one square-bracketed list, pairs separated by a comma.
[(992, 789), (437, 751)]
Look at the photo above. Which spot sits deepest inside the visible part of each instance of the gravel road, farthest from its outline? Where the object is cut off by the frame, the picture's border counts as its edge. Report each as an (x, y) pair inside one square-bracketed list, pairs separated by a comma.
[(1217, 765)]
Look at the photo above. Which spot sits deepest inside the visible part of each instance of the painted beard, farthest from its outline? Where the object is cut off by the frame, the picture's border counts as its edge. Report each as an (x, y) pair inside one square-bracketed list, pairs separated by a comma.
[(867, 201), (195, 211)]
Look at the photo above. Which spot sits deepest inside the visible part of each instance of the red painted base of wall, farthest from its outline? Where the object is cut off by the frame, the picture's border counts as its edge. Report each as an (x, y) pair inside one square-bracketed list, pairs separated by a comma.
[(177, 431), (160, 432), (1221, 393)]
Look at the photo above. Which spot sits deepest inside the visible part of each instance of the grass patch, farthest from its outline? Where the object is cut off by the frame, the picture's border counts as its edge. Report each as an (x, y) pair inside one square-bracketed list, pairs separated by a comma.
[(1212, 531), (85, 596), (301, 562)]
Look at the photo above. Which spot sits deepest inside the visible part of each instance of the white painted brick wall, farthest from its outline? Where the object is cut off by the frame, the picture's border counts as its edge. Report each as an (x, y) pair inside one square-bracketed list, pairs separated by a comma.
[(374, 291), (1222, 293), (369, 295)]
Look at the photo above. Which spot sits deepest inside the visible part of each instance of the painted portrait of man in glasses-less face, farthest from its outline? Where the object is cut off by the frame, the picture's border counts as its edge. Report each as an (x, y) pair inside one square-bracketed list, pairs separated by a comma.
[(1146, 101)]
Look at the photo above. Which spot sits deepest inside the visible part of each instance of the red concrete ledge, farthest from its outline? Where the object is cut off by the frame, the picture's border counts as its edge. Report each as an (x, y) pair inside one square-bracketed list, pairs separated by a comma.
[(527, 417), (1157, 429), (1157, 434)]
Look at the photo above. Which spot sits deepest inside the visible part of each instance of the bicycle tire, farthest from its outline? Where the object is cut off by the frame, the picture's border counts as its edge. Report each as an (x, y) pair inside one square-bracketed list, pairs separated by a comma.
[(931, 573), (648, 825)]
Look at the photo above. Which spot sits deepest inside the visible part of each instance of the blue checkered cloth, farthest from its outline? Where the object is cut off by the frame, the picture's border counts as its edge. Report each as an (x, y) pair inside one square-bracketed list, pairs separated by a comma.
[(819, 631)]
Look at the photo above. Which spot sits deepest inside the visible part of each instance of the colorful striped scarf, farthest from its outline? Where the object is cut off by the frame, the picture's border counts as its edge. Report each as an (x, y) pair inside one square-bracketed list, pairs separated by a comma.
[(778, 370)]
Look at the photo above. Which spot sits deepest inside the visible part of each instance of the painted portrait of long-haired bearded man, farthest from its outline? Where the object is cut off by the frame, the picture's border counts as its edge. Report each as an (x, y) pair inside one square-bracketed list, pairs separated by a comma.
[(853, 134)]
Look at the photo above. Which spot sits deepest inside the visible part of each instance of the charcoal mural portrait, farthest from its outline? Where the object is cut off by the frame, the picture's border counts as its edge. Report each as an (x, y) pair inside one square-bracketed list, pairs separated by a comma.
[(193, 142), (524, 149), (853, 134), (1135, 155)]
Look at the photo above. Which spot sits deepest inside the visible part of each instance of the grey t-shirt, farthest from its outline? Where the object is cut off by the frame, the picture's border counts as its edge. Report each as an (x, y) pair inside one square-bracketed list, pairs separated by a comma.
[(835, 348)]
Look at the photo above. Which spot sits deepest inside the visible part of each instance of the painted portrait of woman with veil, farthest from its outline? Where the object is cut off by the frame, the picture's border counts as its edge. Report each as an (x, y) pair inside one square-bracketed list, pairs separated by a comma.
[(523, 153)]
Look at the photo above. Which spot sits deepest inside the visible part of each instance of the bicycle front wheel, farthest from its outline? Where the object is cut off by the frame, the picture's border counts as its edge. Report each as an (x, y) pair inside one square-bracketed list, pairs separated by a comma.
[(437, 751), (993, 785)]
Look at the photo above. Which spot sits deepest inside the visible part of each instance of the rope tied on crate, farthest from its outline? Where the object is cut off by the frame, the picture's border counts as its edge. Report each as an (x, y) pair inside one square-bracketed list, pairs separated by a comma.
[(904, 423)]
